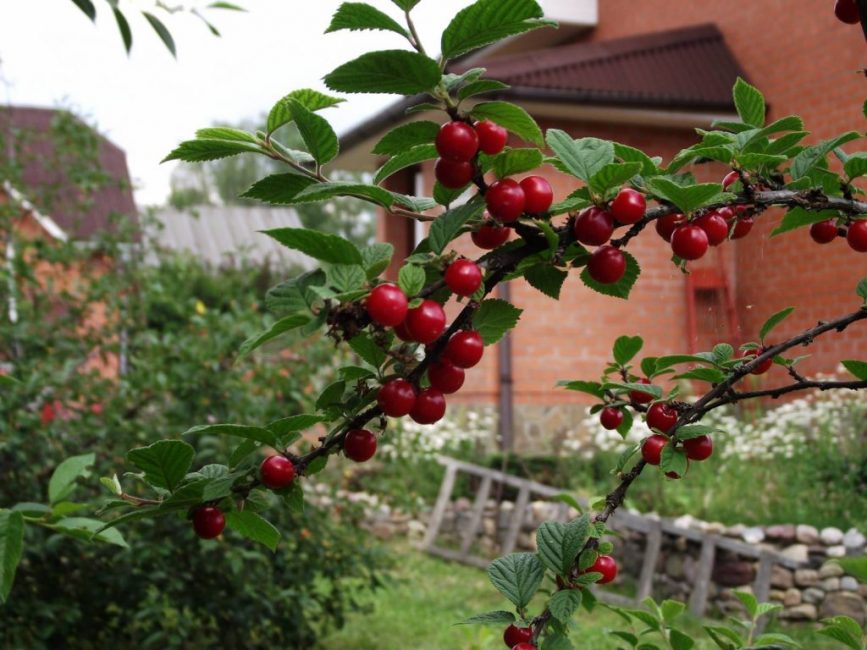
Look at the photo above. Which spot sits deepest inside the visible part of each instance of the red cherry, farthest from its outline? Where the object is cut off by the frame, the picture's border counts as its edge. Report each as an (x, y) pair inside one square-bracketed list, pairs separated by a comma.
[(607, 265), (730, 179), (699, 448), (666, 225), (489, 237), (651, 449), (856, 236), (689, 242), (763, 367), (661, 416), (426, 322), (430, 406), (96, 409), (387, 305), (445, 376), (277, 472), (847, 11), (453, 174), (640, 397), (824, 232), (628, 206), (605, 565), (538, 194), (403, 333), (524, 646), (48, 415), (463, 277), (465, 348), (505, 200), (396, 397), (457, 141), (742, 228), (593, 226), (611, 418), (208, 522), (359, 445), (714, 226), (492, 137), (515, 635)]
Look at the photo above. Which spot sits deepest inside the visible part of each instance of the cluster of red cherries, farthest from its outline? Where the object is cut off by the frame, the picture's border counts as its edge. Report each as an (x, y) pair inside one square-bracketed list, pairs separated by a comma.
[(824, 232), (847, 11), (521, 638)]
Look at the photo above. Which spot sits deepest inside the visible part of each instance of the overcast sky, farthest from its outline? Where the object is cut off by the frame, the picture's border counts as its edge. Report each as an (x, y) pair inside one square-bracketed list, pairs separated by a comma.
[(52, 55)]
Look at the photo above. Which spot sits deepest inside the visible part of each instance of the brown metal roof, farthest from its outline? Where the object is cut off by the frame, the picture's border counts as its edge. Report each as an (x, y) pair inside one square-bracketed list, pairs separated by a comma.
[(31, 140), (682, 69)]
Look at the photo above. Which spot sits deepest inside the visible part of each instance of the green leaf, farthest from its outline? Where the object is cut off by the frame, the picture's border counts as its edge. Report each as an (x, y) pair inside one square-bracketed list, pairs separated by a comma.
[(318, 245), (650, 389), (723, 352), (673, 460), (671, 609), (613, 175), (497, 618), (687, 198), (240, 452), (357, 16), (226, 5), (89, 529), (590, 387), (494, 318), (479, 87), (294, 498), (346, 278), (165, 463), (324, 191), (411, 279), (408, 158), (317, 465), (776, 639), (689, 431), (294, 423), (512, 118), (406, 5), (296, 294), (282, 326), (723, 636), (517, 161), (626, 347), (799, 217), (6, 380), (252, 526), (278, 189), (582, 158), (749, 601), (547, 279), (812, 157), (857, 368), (211, 149), (564, 604), (90, 11), (332, 395), (238, 430), (162, 32), (11, 546), (711, 375), (320, 138), (679, 640), (843, 636), (517, 577), (861, 290), (447, 225), (856, 165), (123, 28), (312, 100), (367, 349), (62, 481), (631, 154), (405, 137), (387, 71), (773, 321), (620, 289), (750, 103), (488, 21), (560, 543), (376, 258)]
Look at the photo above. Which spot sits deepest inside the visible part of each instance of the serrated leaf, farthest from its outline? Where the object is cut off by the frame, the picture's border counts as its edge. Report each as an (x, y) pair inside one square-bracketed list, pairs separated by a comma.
[(689, 431), (620, 289), (408, 158), (411, 279), (346, 278), (725, 638), (387, 71), (488, 21), (332, 395), (564, 604), (590, 387), (446, 227), (497, 618), (295, 295), (511, 117), (857, 368), (358, 16), (479, 87), (582, 158), (687, 198), (367, 349), (673, 460), (613, 175), (312, 100), (87, 530), (749, 103), (773, 321), (324, 191), (405, 137), (671, 609), (278, 189), (650, 389), (406, 5), (318, 136), (799, 218), (679, 640), (318, 245), (282, 326), (163, 32), (749, 602), (238, 430), (856, 165), (626, 347), (376, 258), (62, 481), (812, 157), (841, 635), (631, 154), (165, 463), (517, 577), (253, 526), (547, 279), (211, 149), (494, 318), (722, 352), (559, 543), (517, 161), (711, 375), (11, 547), (861, 289)]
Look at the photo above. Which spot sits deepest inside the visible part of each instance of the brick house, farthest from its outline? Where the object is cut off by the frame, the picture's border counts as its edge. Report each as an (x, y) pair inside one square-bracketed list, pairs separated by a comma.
[(647, 74)]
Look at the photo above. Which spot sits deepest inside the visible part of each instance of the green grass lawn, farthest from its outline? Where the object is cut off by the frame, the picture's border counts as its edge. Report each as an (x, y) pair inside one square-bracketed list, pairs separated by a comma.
[(418, 609)]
